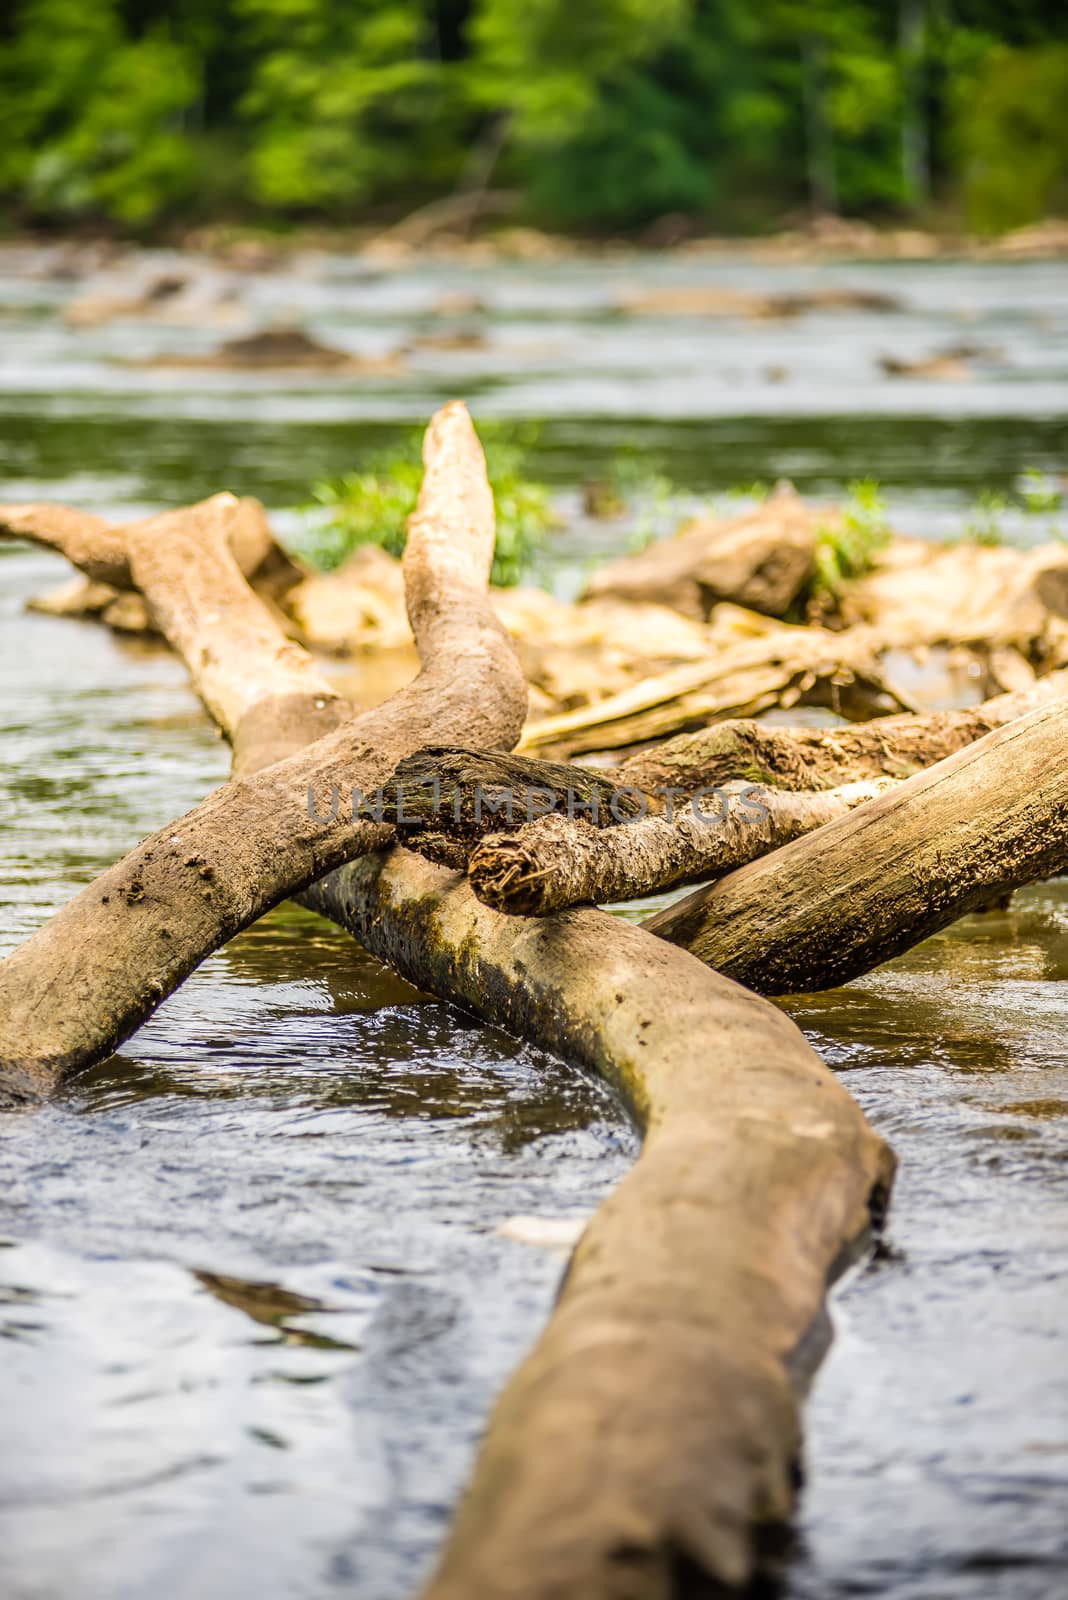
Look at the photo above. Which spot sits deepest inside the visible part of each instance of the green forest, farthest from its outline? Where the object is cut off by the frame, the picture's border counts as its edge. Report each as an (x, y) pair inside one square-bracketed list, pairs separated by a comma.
[(600, 117)]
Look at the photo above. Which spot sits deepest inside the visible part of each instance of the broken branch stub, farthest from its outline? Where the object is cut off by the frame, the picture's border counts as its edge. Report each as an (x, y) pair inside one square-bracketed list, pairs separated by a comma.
[(556, 862)]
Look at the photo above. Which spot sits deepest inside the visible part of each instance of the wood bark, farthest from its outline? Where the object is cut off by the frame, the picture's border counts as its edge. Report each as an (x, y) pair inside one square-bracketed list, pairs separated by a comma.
[(130, 938), (448, 797), (101, 549), (567, 843), (558, 861), (861, 889), (824, 758)]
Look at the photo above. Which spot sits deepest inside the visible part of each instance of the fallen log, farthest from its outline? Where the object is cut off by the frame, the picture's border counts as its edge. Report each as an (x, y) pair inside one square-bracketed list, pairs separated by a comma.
[(655, 1427), (130, 938), (858, 891), (824, 758), (559, 850), (996, 600), (568, 845), (653, 1433), (447, 798), (785, 667)]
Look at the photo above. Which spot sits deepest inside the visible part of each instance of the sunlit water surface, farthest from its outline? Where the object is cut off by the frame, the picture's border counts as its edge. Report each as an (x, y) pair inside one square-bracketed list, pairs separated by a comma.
[(254, 1299)]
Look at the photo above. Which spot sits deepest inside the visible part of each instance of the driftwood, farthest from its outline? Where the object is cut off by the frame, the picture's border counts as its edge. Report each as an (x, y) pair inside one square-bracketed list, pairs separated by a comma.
[(653, 1433), (101, 550), (130, 938), (554, 861), (781, 667), (823, 758), (760, 559), (569, 846), (871, 884), (560, 849), (655, 1428), (994, 599)]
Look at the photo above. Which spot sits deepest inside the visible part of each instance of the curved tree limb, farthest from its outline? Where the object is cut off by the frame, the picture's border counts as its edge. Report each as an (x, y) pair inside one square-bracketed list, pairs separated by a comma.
[(102, 551), (92, 974), (654, 1430)]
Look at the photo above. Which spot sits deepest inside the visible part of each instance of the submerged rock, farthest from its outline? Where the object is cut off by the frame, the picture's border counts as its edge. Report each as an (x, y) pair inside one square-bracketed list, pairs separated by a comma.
[(281, 349)]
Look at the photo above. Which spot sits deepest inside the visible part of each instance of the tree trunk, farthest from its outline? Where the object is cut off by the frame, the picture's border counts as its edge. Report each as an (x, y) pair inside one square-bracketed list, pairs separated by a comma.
[(915, 141), (871, 884), (654, 1431)]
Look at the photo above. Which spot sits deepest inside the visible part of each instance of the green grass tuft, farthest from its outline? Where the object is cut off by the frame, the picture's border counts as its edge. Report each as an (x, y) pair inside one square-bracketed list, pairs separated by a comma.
[(373, 507), (847, 547)]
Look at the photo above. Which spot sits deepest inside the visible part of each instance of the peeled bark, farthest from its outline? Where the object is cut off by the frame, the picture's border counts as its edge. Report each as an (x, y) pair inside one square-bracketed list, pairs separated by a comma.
[(558, 861), (862, 889), (824, 758), (130, 938)]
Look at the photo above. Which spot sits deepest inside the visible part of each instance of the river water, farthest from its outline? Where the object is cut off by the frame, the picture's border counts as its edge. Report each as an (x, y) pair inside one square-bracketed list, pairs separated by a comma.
[(254, 1294)]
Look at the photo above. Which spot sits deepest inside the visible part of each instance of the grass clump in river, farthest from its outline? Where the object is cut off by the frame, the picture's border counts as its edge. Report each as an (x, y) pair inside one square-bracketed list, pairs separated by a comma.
[(847, 546), (373, 506)]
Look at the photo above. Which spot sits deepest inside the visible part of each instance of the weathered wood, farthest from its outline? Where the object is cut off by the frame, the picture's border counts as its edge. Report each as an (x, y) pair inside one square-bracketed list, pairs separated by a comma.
[(654, 1430), (828, 907), (558, 861), (824, 758), (789, 666), (446, 798), (130, 938), (102, 550), (760, 559)]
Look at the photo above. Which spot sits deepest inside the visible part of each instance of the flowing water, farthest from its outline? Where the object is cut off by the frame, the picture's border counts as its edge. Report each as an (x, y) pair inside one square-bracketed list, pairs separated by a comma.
[(254, 1294)]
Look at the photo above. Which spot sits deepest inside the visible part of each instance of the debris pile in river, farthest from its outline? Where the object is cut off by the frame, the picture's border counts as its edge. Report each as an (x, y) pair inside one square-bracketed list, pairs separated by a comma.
[(655, 1428), (730, 617)]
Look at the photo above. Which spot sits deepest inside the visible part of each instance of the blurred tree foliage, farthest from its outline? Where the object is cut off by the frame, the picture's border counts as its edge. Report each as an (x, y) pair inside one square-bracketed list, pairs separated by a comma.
[(602, 113)]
